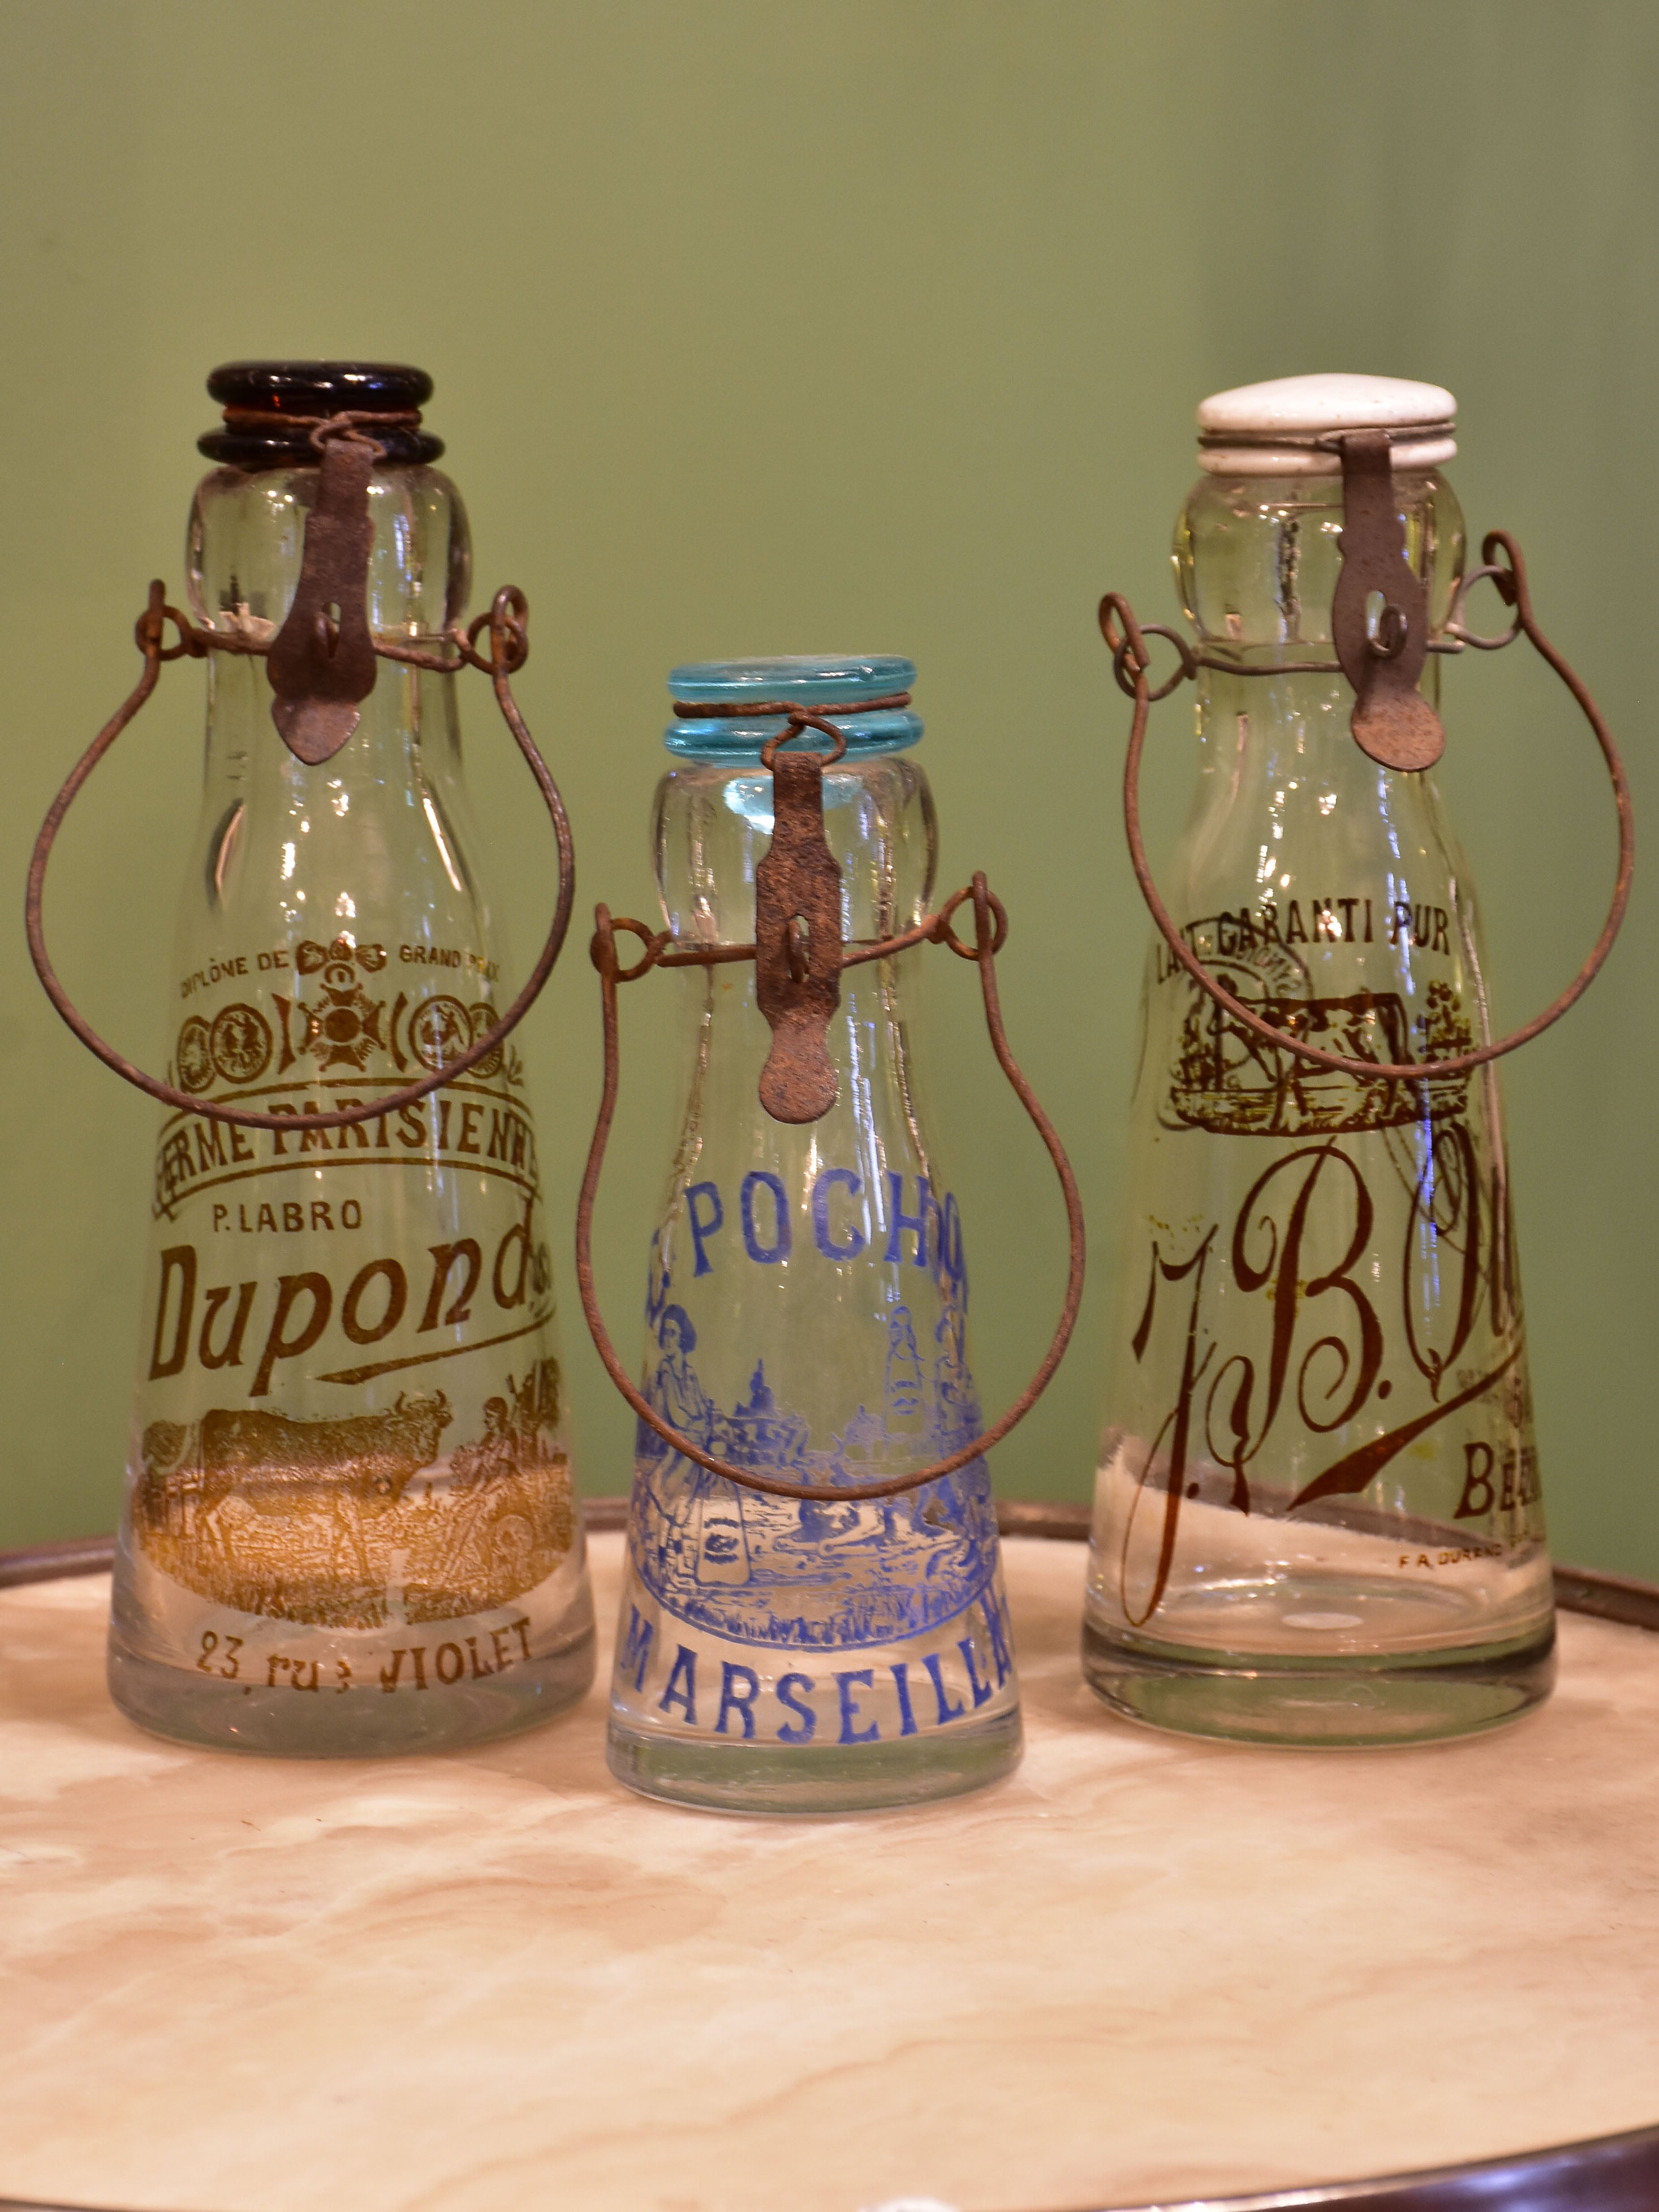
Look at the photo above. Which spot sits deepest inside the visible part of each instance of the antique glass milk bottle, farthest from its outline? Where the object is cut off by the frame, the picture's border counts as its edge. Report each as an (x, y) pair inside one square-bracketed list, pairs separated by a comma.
[(1317, 1517), (349, 1522), (805, 1317)]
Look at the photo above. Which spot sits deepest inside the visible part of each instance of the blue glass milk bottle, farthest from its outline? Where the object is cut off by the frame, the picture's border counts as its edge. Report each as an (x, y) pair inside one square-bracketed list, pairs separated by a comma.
[(807, 1317)]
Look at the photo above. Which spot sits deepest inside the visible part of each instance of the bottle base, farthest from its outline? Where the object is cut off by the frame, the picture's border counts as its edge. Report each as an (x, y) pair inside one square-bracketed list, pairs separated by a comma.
[(1320, 1703), (772, 1779), (282, 1723)]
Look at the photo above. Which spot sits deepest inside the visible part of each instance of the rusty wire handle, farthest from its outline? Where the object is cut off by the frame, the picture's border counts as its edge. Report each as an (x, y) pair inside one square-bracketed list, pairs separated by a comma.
[(508, 650), (990, 933), (1129, 649)]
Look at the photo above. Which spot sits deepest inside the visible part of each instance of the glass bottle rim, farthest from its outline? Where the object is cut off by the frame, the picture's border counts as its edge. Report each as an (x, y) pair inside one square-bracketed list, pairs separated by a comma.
[(838, 682)]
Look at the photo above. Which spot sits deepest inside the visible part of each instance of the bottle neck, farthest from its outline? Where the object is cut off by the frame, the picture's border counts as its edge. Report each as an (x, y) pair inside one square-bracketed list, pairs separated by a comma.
[(379, 833), (246, 535), (1257, 560), (246, 540), (713, 826)]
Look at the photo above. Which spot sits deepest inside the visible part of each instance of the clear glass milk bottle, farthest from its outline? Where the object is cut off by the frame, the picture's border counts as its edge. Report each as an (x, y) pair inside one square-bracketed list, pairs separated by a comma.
[(807, 1317), (349, 1523), (1317, 1517)]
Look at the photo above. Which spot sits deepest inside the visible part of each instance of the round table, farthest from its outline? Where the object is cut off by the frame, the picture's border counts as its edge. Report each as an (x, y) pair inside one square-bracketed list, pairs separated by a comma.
[(1144, 1970)]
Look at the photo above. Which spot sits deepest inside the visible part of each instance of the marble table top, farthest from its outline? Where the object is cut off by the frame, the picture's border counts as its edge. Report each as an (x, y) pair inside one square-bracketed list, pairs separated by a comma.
[(1142, 1968)]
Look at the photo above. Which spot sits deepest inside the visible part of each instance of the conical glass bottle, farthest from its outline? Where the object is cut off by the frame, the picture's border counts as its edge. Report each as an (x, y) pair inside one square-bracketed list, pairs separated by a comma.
[(1317, 1515), (806, 1316), (349, 1523)]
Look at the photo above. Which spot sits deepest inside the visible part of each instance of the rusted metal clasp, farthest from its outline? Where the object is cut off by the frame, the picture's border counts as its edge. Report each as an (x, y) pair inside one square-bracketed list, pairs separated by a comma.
[(322, 660), (798, 943), (1382, 654)]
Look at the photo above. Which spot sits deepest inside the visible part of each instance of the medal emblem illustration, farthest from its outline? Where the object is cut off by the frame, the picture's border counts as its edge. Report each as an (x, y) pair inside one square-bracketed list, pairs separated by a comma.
[(241, 1043), (442, 1031), (195, 1055)]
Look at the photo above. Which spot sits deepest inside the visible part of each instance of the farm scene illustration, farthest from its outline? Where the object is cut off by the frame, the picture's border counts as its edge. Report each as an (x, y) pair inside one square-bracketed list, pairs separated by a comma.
[(822, 1574), (1227, 1079), (364, 1520)]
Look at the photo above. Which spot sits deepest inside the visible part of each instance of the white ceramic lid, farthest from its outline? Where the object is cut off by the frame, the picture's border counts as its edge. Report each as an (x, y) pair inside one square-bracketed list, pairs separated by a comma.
[(1272, 429)]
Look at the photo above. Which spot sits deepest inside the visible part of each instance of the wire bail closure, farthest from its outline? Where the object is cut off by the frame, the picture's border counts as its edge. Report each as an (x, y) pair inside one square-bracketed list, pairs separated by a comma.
[(1126, 641), (797, 986), (507, 623)]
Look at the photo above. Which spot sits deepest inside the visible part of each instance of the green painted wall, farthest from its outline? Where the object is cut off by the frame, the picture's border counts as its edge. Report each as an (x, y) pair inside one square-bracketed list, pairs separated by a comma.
[(760, 327)]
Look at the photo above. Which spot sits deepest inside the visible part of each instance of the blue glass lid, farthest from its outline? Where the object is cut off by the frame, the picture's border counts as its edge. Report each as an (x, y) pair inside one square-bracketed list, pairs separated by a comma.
[(839, 682)]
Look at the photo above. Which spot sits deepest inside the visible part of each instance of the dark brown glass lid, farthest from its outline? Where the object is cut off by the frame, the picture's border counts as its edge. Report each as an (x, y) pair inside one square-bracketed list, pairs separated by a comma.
[(314, 388)]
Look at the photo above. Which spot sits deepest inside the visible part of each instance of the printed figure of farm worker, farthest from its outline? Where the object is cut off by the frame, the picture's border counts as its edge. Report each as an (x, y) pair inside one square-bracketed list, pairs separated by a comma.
[(496, 1452), (674, 1390)]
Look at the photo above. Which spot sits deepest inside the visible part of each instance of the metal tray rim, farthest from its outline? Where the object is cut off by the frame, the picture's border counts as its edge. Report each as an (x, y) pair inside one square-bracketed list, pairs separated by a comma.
[(1618, 1598)]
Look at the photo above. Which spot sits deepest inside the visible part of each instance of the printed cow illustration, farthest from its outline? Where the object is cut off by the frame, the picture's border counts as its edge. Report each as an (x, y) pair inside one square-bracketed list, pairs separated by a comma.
[(330, 1522), (356, 1468)]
